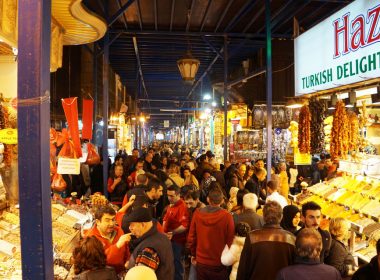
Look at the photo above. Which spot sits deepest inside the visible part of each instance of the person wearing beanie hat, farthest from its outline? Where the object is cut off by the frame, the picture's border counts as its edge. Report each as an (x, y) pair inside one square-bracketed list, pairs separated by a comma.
[(140, 215), (291, 218), (153, 249), (249, 215)]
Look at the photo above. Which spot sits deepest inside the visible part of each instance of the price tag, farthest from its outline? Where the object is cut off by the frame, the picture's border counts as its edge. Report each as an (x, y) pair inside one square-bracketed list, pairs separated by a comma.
[(68, 166), (356, 228)]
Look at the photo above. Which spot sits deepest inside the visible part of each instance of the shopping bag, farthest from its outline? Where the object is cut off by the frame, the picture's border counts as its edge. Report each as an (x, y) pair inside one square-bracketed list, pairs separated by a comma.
[(93, 157), (58, 184)]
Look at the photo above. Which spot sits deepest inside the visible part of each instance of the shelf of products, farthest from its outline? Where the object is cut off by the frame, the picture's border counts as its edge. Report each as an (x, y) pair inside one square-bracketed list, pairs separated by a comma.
[(66, 225), (248, 145), (251, 144), (355, 198)]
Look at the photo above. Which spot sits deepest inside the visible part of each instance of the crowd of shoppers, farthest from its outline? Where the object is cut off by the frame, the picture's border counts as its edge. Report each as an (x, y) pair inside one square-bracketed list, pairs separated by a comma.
[(192, 218)]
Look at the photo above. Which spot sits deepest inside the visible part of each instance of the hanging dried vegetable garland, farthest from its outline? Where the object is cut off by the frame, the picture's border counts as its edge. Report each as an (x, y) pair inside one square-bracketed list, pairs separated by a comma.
[(2, 118), (304, 130), (318, 114), (353, 136), (340, 132)]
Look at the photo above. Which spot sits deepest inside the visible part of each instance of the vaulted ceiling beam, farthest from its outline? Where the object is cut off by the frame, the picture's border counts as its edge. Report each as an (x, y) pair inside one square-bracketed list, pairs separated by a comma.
[(288, 16), (257, 15), (155, 15), (223, 15), (139, 14), (139, 65), (190, 12), (172, 15), (240, 14), (195, 34), (276, 16), (120, 12), (205, 15)]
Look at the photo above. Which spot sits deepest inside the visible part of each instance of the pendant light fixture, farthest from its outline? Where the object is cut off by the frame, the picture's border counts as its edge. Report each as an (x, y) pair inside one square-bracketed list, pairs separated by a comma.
[(188, 67)]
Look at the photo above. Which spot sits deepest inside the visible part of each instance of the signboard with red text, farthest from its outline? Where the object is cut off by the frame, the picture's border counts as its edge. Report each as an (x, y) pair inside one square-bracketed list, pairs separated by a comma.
[(341, 50)]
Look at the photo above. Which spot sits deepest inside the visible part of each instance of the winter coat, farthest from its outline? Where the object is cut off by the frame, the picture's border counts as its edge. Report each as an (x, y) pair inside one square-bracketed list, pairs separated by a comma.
[(306, 269), (160, 244), (339, 257), (265, 252), (250, 217), (231, 256)]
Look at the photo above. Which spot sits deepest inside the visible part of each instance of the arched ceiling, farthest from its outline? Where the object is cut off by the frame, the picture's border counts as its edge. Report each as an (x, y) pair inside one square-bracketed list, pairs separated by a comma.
[(149, 36)]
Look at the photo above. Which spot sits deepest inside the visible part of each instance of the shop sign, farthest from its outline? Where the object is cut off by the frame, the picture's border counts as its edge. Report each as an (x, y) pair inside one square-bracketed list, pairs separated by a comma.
[(8, 136), (235, 121), (341, 50), (302, 159), (166, 123), (68, 166)]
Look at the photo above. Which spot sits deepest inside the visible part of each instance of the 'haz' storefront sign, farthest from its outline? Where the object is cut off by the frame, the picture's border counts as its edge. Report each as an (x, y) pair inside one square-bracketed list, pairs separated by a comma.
[(341, 50)]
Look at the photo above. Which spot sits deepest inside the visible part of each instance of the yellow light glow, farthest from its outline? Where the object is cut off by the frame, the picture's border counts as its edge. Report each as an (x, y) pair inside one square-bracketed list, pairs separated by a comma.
[(203, 116)]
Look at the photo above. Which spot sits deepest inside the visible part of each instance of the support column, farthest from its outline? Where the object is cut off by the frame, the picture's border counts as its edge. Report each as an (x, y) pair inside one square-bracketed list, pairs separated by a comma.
[(225, 96), (201, 135), (138, 117), (33, 92), (212, 138), (95, 89), (105, 104), (269, 86), (137, 92)]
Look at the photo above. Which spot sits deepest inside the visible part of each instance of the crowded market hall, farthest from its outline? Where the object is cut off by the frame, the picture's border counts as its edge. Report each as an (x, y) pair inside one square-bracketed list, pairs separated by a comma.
[(190, 139)]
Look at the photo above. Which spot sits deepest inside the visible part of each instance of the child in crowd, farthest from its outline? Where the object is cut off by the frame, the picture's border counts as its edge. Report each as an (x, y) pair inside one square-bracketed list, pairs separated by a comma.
[(231, 256)]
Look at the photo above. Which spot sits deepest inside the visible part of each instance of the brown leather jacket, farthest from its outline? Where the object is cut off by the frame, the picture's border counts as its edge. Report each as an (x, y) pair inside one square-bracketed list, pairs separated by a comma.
[(266, 251)]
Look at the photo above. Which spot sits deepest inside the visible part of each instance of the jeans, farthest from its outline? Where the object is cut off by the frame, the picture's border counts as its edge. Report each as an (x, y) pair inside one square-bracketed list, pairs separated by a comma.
[(207, 272), (193, 272), (178, 260)]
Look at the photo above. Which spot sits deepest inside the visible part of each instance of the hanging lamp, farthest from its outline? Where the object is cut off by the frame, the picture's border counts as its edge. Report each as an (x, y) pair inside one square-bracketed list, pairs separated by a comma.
[(188, 67)]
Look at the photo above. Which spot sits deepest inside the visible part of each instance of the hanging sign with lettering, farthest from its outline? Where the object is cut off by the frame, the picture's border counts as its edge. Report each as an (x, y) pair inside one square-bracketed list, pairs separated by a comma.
[(341, 50), (8, 136)]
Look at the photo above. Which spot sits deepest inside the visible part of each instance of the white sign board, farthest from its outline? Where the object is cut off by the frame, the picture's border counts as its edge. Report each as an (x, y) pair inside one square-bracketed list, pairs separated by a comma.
[(166, 123), (68, 166), (341, 50)]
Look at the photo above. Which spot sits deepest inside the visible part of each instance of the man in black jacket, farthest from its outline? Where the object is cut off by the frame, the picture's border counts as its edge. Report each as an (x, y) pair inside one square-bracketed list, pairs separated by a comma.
[(311, 217), (255, 185), (153, 249), (370, 271)]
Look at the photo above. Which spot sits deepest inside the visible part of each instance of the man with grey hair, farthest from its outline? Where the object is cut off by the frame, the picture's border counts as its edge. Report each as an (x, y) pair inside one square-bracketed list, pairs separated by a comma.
[(266, 251), (307, 263), (249, 215)]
